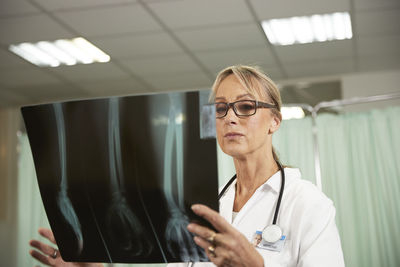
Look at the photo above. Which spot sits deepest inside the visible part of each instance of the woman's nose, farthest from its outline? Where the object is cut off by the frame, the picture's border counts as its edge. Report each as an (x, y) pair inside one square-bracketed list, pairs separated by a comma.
[(231, 116)]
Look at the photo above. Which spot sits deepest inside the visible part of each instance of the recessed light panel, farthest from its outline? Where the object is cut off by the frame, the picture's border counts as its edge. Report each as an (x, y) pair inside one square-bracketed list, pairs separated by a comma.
[(60, 52), (302, 30), (292, 113)]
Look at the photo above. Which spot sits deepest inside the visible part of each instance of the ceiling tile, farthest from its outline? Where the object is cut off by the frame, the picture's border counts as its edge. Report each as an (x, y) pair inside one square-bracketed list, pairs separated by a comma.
[(154, 1), (26, 77), (161, 65), (110, 21), (272, 72), (90, 72), (11, 98), (50, 93), (114, 87), (53, 5), (9, 60), (134, 46), (288, 8), (222, 37), (220, 59), (315, 51), (319, 68), (378, 22), (379, 45), (379, 62), (373, 4), (16, 8), (30, 29), (194, 13), (179, 81)]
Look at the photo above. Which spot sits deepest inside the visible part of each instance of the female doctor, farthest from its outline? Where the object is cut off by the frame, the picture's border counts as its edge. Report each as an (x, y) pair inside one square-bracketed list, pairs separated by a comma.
[(268, 215)]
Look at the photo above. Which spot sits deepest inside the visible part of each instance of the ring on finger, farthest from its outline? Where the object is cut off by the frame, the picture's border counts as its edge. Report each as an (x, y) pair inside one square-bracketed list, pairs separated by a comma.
[(211, 249), (55, 253), (211, 238)]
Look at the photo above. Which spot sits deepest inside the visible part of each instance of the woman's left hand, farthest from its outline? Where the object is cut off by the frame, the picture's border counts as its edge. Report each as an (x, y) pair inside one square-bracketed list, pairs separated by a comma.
[(228, 247)]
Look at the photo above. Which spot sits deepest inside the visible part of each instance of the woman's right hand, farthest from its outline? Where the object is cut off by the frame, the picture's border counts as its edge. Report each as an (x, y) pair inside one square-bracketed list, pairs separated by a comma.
[(49, 255)]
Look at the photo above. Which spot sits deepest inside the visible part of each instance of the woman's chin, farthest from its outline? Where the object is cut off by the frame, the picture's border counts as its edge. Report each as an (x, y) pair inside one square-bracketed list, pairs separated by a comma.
[(234, 151)]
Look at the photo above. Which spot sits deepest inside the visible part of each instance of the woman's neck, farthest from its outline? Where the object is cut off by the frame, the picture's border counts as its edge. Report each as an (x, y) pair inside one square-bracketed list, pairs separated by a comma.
[(252, 171)]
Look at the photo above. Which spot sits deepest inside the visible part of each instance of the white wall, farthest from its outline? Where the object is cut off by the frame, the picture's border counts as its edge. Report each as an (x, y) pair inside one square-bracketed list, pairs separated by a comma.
[(9, 123), (371, 83)]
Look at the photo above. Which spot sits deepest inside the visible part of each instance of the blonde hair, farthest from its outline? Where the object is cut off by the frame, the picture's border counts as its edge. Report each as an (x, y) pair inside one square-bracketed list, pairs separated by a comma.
[(256, 83)]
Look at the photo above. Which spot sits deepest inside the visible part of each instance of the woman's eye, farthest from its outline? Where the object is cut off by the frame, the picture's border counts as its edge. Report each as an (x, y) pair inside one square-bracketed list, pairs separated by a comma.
[(246, 107), (220, 108)]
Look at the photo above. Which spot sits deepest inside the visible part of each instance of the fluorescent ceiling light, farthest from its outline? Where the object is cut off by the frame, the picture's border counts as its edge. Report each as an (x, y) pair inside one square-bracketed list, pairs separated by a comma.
[(60, 52), (302, 30), (292, 113)]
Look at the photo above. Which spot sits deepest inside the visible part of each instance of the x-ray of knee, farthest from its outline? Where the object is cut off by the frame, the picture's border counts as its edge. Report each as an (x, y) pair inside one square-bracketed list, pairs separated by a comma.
[(118, 176)]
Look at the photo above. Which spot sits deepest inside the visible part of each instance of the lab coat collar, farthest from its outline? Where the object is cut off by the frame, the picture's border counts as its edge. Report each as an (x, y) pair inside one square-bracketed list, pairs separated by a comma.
[(274, 182)]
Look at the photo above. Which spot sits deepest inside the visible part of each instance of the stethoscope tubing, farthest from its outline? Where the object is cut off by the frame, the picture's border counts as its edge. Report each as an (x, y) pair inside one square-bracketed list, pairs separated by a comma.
[(278, 203)]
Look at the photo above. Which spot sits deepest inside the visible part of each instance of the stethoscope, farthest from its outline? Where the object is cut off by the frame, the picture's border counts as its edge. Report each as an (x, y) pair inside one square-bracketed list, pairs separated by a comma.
[(271, 233)]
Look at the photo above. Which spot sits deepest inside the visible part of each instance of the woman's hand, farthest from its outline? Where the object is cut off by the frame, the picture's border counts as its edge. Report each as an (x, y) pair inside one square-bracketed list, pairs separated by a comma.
[(228, 247), (49, 255)]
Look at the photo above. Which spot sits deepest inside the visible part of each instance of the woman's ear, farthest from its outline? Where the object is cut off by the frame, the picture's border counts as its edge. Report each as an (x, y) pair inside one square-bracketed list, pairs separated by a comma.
[(275, 124)]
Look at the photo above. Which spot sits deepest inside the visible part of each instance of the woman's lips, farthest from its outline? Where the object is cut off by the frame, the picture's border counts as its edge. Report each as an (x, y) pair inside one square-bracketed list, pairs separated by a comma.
[(233, 135)]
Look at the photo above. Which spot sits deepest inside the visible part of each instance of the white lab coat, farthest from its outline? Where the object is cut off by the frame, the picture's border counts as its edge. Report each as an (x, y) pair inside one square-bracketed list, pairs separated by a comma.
[(306, 217)]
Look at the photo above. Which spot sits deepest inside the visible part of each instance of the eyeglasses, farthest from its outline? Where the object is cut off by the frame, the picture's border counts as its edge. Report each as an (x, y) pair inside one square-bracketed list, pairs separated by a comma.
[(242, 108)]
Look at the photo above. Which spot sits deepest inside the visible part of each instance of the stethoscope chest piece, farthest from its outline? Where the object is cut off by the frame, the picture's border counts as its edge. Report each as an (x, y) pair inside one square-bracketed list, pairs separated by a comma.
[(272, 233)]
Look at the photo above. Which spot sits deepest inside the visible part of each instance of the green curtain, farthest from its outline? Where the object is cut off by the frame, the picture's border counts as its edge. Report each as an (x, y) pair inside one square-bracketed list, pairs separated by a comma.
[(293, 143), (360, 156)]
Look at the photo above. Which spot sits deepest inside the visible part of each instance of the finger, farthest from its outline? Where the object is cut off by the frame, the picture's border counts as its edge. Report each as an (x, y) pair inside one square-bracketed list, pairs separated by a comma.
[(40, 257), (202, 231), (47, 233), (213, 217), (46, 249), (222, 256), (212, 257), (223, 242), (204, 244)]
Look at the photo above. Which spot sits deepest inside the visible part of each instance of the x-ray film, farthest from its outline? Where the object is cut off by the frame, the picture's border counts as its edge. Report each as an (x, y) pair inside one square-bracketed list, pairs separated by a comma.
[(118, 176)]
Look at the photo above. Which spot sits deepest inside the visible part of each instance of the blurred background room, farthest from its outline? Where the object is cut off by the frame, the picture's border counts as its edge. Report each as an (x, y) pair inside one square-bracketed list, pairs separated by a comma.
[(337, 64)]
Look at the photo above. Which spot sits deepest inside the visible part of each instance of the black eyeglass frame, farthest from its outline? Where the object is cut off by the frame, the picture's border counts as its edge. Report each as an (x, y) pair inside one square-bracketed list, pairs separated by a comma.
[(258, 104)]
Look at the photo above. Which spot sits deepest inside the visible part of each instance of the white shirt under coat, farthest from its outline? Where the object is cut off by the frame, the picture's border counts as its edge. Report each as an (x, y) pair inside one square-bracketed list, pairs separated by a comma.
[(306, 217)]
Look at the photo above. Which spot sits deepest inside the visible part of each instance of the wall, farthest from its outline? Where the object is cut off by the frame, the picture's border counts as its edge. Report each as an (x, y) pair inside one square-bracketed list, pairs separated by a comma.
[(9, 123), (371, 83)]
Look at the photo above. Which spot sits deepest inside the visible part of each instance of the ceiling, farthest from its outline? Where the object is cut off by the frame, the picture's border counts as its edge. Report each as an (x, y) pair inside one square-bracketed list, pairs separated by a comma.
[(163, 45)]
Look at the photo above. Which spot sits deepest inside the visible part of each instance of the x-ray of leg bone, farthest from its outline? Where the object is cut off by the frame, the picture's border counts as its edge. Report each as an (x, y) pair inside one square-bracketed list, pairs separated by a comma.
[(64, 203)]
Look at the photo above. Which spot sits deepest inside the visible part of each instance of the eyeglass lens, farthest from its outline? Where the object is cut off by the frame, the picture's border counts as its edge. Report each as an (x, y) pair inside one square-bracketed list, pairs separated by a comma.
[(241, 108)]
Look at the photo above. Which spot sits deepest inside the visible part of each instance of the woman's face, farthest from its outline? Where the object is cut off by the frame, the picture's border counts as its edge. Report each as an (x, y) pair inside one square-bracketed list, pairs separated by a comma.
[(240, 136)]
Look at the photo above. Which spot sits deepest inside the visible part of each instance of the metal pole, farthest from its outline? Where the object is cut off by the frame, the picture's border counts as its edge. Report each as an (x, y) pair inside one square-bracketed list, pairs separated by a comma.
[(355, 100), (317, 162)]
